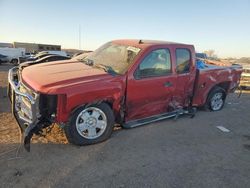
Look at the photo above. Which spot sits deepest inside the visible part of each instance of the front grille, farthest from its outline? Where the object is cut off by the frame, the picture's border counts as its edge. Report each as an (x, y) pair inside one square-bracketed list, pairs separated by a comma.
[(25, 101), (23, 105), (25, 89)]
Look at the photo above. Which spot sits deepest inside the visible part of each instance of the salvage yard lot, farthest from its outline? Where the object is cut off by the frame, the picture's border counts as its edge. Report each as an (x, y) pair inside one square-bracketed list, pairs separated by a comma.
[(182, 153)]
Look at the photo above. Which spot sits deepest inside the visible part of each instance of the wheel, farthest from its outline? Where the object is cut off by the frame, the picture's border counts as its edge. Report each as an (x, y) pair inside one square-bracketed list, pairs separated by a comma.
[(216, 99), (90, 125), (14, 61)]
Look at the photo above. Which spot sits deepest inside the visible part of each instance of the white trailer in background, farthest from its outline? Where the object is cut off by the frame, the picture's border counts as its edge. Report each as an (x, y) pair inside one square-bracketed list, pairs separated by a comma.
[(13, 54)]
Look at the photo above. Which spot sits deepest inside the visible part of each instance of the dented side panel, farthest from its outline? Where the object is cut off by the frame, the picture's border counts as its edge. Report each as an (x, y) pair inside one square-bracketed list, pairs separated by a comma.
[(157, 95), (226, 77), (109, 90)]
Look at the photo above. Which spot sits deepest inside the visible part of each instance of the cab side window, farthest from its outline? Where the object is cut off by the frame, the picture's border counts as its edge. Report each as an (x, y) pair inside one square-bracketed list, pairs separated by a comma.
[(183, 61), (156, 63)]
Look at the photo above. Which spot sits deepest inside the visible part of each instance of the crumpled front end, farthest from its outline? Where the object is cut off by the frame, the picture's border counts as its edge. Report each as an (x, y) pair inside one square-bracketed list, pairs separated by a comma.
[(29, 108)]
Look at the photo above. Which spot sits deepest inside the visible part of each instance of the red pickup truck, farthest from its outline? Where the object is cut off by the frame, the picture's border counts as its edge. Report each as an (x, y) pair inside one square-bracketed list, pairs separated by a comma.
[(126, 82)]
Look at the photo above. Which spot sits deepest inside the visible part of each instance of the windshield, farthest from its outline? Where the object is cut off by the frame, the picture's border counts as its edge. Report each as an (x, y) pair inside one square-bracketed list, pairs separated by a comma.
[(114, 57)]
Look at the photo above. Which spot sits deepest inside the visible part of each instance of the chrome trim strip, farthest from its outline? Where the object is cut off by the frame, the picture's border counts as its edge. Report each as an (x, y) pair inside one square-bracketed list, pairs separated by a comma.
[(16, 87), (152, 119)]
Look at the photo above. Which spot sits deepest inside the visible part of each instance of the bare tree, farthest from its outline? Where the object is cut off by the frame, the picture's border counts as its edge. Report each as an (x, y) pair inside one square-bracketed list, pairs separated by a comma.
[(210, 53)]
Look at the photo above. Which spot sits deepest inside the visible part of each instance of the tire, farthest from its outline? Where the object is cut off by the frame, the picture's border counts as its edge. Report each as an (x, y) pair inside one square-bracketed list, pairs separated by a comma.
[(14, 61), (84, 123), (216, 99)]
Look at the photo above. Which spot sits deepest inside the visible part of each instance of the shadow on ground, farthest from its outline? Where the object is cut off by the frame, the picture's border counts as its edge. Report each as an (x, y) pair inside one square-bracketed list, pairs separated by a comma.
[(4, 101)]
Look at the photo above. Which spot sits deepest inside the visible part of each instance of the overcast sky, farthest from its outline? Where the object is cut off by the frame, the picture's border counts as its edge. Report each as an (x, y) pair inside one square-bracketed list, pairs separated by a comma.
[(222, 25)]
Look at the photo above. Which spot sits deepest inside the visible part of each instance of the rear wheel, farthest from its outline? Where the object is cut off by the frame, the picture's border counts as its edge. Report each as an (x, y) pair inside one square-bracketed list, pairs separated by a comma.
[(90, 125), (216, 99)]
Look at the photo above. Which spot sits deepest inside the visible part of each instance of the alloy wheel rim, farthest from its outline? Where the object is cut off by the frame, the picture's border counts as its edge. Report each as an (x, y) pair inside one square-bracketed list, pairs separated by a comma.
[(91, 123), (217, 101)]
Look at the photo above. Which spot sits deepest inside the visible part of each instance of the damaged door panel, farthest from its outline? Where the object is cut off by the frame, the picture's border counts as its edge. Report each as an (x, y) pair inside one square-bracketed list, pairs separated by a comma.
[(151, 88)]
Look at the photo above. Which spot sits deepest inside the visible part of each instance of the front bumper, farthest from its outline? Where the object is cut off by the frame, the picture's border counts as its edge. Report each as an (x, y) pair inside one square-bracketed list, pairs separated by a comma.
[(24, 105)]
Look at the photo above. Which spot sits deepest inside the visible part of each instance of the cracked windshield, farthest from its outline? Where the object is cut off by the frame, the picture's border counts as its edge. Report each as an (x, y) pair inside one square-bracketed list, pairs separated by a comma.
[(113, 57)]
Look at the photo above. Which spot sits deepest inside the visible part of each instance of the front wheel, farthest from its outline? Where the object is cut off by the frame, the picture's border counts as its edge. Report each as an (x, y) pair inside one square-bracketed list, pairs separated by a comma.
[(90, 125), (216, 99)]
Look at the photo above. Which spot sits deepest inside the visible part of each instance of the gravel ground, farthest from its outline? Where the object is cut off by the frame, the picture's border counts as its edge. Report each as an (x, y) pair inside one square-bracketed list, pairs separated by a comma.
[(183, 153)]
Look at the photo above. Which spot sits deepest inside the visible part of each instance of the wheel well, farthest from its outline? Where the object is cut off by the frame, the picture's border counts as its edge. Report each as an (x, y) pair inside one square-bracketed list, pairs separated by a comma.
[(95, 102), (119, 116), (224, 85), (109, 103)]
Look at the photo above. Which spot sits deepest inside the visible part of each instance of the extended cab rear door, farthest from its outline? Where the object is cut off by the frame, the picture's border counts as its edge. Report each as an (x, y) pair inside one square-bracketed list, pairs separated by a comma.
[(151, 86), (185, 71)]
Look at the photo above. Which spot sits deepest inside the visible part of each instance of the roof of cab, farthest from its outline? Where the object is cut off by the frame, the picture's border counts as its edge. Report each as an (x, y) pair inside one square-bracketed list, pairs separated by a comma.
[(147, 43)]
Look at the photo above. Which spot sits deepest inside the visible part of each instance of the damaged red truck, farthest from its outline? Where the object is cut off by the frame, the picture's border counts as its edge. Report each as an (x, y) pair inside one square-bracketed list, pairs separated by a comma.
[(126, 82)]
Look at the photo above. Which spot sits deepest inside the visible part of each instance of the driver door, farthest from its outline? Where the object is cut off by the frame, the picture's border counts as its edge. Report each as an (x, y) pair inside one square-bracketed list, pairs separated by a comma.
[(151, 88)]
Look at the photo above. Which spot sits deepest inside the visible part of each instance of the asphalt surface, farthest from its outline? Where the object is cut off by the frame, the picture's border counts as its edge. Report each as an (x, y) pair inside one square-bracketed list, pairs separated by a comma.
[(182, 153)]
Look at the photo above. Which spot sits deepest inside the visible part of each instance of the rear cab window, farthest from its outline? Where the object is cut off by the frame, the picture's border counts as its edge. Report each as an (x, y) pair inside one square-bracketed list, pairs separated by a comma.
[(183, 60)]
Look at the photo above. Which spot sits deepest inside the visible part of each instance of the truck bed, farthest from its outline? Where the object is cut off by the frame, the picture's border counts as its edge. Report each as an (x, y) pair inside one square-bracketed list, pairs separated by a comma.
[(226, 77)]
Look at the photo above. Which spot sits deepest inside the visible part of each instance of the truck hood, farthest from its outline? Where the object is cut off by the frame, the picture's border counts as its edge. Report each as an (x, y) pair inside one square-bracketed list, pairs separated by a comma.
[(53, 77)]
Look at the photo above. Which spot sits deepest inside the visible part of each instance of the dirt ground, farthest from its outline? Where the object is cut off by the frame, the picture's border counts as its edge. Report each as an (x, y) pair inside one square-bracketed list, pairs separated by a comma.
[(182, 153)]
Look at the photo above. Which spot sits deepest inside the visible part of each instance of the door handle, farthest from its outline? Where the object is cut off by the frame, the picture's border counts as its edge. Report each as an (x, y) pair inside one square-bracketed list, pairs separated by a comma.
[(168, 84)]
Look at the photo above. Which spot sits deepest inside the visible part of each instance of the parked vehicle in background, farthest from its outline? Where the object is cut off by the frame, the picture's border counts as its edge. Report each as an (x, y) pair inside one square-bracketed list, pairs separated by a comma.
[(245, 77), (28, 54), (45, 59), (46, 53), (3, 59), (129, 82), (13, 54), (61, 53), (80, 53), (77, 54), (36, 57), (81, 56), (201, 55)]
